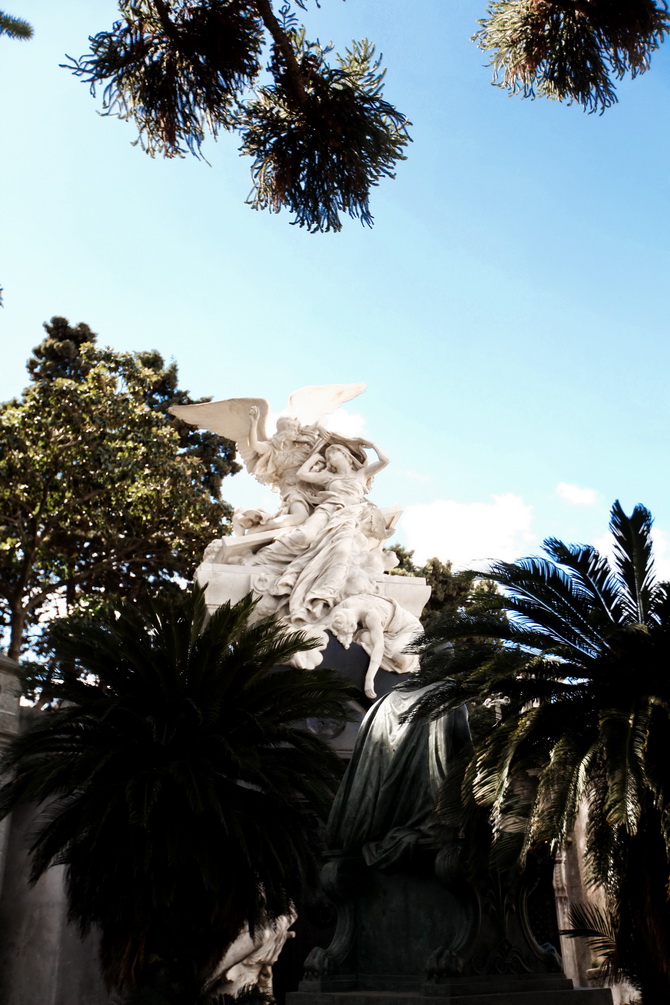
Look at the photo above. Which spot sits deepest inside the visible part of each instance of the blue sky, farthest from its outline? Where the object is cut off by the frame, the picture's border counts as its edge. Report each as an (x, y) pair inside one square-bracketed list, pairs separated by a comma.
[(508, 311)]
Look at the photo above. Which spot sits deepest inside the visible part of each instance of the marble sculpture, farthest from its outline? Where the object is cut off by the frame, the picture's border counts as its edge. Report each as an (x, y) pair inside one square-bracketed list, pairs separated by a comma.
[(318, 562)]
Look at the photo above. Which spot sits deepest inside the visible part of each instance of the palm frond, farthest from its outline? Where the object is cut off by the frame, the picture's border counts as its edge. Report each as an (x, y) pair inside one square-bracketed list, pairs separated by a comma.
[(633, 560), (177, 785), (593, 573), (593, 923)]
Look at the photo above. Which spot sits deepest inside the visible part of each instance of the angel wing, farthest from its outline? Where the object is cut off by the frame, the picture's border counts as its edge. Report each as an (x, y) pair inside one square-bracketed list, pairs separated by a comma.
[(311, 404), (228, 418)]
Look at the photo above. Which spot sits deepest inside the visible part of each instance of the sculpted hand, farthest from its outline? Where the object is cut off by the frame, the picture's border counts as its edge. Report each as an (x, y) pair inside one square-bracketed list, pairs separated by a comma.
[(370, 685), (254, 412)]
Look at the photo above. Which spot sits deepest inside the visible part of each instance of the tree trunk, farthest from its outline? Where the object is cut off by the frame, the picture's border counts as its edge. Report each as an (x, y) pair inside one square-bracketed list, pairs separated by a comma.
[(18, 622)]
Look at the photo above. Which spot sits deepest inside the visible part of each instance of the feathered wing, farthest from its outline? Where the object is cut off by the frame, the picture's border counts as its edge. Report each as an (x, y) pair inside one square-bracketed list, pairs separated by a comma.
[(311, 404), (229, 418)]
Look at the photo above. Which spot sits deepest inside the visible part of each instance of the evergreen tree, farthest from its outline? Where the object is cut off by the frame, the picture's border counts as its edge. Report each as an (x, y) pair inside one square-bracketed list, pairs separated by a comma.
[(318, 129), (449, 590), (101, 490), (14, 27), (571, 50)]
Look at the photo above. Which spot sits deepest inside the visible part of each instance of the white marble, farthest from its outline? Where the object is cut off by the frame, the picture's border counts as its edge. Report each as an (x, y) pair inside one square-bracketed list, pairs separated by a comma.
[(383, 628), (322, 550), (248, 961)]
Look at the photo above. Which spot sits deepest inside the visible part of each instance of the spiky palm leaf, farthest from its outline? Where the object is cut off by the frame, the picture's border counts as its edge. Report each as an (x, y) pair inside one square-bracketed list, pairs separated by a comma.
[(580, 673), (177, 787), (594, 924)]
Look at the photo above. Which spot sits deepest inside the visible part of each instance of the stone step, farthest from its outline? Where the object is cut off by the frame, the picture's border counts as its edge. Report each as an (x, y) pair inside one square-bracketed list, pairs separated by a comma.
[(573, 996)]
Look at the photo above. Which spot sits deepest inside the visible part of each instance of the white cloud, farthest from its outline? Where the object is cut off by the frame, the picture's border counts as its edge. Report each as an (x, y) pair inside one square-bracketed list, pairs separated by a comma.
[(576, 495), (344, 422), (470, 533)]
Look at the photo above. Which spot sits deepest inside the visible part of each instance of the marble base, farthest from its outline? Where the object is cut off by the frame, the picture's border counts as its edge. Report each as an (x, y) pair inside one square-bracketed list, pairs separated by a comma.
[(232, 582)]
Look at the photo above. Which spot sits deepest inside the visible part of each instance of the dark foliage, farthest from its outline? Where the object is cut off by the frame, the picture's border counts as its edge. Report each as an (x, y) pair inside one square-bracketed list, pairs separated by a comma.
[(571, 50), (175, 68), (320, 136), (14, 27), (175, 784), (582, 693), (322, 157)]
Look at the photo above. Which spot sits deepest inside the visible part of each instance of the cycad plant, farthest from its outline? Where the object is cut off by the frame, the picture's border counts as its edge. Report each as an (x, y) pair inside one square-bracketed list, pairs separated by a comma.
[(574, 653), (176, 783)]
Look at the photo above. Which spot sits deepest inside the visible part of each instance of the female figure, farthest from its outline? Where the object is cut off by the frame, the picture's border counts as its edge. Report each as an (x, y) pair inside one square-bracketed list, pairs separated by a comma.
[(344, 480), (312, 561)]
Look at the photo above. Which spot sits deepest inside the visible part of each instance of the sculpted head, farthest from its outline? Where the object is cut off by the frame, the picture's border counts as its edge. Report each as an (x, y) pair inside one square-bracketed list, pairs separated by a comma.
[(343, 624), (338, 458), (287, 424)]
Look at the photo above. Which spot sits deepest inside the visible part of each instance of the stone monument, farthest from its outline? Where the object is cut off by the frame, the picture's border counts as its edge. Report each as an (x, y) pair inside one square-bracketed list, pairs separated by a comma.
[(317, 563), (413, 927), (409, 926)]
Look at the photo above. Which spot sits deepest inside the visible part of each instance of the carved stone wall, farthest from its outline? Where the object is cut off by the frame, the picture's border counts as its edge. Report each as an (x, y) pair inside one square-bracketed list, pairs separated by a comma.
[(570, 888), (42, 959), (9, 727)]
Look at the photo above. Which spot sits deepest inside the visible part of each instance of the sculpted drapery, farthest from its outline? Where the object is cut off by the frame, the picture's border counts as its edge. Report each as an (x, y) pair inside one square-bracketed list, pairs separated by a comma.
[(324, 544)]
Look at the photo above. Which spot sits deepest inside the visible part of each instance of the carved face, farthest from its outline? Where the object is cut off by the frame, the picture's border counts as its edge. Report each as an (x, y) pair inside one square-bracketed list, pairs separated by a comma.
[(287, 425), (338, 459), (343, 625)]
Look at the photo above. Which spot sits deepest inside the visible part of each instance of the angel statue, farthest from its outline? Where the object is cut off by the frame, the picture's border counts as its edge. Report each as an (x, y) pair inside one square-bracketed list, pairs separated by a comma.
[(315, 563), (275, 460), (324, 544)]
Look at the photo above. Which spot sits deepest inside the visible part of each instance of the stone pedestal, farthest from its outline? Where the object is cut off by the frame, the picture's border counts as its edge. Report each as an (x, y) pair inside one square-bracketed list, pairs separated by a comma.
[(232, 582), (493, 991), (42, 959), (420, 935)]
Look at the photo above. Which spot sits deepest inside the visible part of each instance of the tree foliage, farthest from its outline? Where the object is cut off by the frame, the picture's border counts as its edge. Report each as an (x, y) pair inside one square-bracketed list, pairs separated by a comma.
[(14, 27), (320, 135), (176, 785), (100, 488), (583, 693), (450, 591), (571, 50), (317, 128)]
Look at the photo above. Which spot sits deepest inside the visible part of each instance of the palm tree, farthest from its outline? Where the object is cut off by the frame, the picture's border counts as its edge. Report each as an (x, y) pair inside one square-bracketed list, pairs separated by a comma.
[(575, 655), (176, 783)]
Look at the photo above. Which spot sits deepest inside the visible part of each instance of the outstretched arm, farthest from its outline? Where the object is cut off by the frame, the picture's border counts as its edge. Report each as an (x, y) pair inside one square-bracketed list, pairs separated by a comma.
[(258, 446), (382, 460), (375, 631)]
